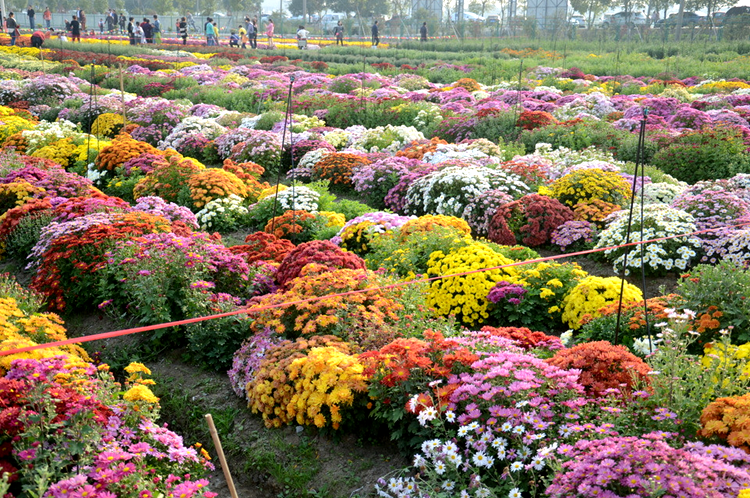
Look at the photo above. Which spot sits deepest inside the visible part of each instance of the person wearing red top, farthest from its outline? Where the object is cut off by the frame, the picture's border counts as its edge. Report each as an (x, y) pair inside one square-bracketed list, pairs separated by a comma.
[(37, 39)]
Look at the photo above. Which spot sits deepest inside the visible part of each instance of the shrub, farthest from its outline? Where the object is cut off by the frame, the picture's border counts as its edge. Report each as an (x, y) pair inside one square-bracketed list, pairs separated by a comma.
[(688, 473), (588, 184), (321, 252), (717, 152), (480, 210), (338, 168), (655, 257), (603, 366), (594, 211), (297, 226), (465, 295), (262, 246), (270, 391), (169, 181), (248, 358), (209, 184), (529, 220), (574, 236), (594, 293), (725, 418), (373, 181), (525, 338)]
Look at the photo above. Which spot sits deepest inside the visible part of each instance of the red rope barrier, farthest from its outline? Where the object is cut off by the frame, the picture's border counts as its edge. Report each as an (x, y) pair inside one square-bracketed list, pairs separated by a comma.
[(148, 328)]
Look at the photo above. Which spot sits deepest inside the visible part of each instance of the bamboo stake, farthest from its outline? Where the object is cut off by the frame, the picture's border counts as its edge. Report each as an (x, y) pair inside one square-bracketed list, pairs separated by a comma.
[(220, 451)]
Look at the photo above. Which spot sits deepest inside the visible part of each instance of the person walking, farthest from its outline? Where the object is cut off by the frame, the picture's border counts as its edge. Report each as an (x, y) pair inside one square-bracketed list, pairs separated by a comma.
[(131, 31), (338, 32), (110, 22), (75, 29), (31, 13), (121, 22), (269, 33), (423, 32), (12, 26), (252, 33), (243, 35), (157, 30), (375, 37), (216, 33), (82, 20), (208, 30), (182, 28), (47, 17)]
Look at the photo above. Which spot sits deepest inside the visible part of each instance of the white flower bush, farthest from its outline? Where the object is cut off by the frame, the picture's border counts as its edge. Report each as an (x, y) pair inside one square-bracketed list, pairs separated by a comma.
[(659, 220), (461, 152), (338, 138), (428, 116), (449, 190), (47, 132), (662, 193), (222, 214), (305, 166), (188, 126), (386, 138), (298, 198)]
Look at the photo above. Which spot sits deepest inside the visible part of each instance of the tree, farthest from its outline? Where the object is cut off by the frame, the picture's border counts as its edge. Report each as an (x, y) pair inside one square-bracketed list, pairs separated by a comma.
[(592, 7), (480, 6), (313, 6), (162, 7)]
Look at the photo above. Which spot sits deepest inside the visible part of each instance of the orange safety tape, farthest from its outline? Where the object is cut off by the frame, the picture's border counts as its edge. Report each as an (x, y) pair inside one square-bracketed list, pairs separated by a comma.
[(255, 309)]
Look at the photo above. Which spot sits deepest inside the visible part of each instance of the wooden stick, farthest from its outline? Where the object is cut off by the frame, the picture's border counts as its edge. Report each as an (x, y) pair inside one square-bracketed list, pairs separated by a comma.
[(220, 451)]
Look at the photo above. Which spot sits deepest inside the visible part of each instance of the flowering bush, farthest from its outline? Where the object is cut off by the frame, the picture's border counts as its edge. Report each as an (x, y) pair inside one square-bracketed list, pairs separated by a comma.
[(270, 391), (373, 181), (357, 233), (525, 338), (224, 214), (168, 210), (261, 246), (480, 210), (532, 219), (602, 366), (405, 368), (655, 257), (250, 174), (713, 208), (725, 418), (340, 315), (320, 252), (588, 184), (338, 168), (449, 190), (120, 150), (661, 193), (297, 226), (107, 125), (246, 360), (212, 183), (595, 211), (169, 181), (592, 294), (465, 295), (642, 466), (574, 236)]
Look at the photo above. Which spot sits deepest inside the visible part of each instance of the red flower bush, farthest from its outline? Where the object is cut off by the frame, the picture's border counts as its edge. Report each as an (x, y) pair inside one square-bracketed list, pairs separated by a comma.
[(529, 120), (603, 366), (322, 252), (262, 246), (525, 338), (529, 220)]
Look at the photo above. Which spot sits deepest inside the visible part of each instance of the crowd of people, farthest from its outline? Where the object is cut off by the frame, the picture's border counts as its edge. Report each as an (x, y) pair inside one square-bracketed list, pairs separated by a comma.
[(150, 31)]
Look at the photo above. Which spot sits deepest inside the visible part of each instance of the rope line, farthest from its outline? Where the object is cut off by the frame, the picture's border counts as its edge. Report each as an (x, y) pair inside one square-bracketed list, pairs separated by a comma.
[(255, 309)]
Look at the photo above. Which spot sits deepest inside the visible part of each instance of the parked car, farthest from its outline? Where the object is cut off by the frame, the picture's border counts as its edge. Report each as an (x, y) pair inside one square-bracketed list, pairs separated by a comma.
[(625, 19), (577, 21), (718, 18), (493, 20), (469, 16), (600, 21), (688, 19)]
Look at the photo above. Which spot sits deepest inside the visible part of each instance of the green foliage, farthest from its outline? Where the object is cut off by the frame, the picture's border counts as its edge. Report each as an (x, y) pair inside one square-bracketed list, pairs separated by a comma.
[(703, 155), (268, 119), (24, 237), (351, 209), (576, 136)]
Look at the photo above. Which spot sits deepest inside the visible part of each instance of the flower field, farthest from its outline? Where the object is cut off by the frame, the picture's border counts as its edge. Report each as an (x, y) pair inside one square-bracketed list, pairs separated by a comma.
[(389, 254)]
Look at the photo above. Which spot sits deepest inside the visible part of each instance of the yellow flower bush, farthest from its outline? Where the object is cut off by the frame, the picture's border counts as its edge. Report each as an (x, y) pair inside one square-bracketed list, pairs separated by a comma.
[(19, 329), (235, 78), (59, 151), (551, 282), (718, 353), (427, 222), (16, 194), (466, 295), (334, 219), (214, 183), (589, 184), (720, 87), (268, 192), (594, 293), (140, 393), (324, 380), (745, 493), (11, 124), (107, 125)]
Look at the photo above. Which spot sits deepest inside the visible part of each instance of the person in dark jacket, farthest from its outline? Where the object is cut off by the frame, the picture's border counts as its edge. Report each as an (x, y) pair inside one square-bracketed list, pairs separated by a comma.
[(75, 29), (338, 32), (12, 26), (423, 32), (375, 37), (131, 30), (31, 13), (148, 30), (182, 27)]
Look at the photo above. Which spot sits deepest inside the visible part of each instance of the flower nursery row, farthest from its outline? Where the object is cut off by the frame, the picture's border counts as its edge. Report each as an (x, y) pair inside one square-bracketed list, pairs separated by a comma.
[(107, 197)]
